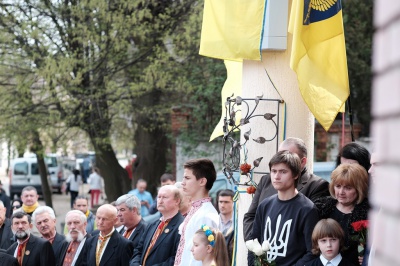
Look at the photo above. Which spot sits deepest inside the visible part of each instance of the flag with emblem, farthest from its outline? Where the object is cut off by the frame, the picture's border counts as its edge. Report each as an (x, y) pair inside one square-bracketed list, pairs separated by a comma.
[(318, 57)]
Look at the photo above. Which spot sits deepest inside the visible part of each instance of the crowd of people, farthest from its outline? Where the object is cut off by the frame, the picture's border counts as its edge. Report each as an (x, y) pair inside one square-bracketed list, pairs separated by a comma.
[(304, 219)]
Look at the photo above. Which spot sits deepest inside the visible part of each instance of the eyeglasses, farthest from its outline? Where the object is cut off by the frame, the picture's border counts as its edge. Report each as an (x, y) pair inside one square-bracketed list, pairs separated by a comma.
[(16, 206)]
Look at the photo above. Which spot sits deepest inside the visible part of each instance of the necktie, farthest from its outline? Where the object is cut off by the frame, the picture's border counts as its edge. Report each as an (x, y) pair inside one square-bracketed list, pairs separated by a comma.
[(71, 251), (157, 233), (20, 251), (102, 241), (128, 232)]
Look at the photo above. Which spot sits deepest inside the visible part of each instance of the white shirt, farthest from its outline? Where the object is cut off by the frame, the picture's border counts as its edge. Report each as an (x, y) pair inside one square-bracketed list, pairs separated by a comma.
[(95, 181), (207, 215), (334, 262)]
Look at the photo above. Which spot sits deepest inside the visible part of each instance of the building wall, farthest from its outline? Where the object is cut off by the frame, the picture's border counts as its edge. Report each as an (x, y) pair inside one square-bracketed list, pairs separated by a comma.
[(385, 131)]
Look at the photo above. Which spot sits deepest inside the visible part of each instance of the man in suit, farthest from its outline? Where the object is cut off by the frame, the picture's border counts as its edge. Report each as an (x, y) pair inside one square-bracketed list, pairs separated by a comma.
[(5, 199), (163, 233), (310, 185), (7, 259), (72, 250), (45, 220), (6, 234), (128, 207), (108, 247), (29, 249)]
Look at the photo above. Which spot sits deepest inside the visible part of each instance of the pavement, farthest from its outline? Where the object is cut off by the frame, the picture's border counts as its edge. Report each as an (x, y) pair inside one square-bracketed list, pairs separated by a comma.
[(61, 202)]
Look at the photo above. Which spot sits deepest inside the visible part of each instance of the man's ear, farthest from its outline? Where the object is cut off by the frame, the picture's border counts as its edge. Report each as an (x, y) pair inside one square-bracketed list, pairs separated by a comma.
[(303, 162), (31, 225), (203, 181)]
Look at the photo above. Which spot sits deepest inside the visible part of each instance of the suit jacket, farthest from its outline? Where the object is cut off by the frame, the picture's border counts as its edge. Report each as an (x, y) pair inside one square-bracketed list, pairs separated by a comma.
[(117, 253), (135, 236), (164, 250), (7, 259), (38, 252), (317, 262), (58, 243), (312, 186), (80, 258), (7, 239)]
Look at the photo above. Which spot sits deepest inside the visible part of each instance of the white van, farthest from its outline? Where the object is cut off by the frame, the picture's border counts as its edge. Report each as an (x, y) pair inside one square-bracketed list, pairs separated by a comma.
[(24, 172)]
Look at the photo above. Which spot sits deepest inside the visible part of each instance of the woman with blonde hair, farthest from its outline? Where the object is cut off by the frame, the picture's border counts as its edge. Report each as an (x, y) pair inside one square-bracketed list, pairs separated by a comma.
[(347, 204)]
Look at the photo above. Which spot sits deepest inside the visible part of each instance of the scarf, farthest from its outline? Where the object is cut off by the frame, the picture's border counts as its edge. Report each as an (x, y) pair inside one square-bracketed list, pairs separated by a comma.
[(87, 213), (30, 209)]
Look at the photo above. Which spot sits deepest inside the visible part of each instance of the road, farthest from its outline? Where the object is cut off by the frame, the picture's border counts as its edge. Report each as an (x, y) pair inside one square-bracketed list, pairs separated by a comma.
[(61, 202)]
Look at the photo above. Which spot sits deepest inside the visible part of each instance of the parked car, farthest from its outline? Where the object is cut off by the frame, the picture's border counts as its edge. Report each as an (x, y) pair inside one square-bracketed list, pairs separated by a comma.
[(56, 172), (24, 172), (324, 169), (222, 183)]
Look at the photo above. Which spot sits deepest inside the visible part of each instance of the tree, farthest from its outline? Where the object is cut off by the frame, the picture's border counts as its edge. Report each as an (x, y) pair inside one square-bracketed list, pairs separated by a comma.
[(95, 57), (357, 18)]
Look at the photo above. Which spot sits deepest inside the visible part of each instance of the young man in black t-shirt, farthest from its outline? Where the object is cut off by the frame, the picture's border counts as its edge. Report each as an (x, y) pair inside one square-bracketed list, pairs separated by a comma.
[(287, 219)]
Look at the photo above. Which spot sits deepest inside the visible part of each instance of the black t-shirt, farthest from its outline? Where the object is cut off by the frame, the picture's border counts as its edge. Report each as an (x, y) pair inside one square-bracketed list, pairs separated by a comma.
[(288, 226)]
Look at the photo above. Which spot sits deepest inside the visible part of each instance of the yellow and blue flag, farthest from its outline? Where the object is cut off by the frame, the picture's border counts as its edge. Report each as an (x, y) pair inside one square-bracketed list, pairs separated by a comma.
[(232, 86), (232, 29), (318, 57)]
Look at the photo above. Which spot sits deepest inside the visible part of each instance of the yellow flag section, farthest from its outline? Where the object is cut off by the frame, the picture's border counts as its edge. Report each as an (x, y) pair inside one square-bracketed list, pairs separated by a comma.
[(233, 85), (232, 29), (318, 57)]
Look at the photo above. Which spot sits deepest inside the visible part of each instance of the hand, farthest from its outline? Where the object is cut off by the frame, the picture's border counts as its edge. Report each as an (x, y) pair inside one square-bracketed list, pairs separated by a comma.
[(360, 259)]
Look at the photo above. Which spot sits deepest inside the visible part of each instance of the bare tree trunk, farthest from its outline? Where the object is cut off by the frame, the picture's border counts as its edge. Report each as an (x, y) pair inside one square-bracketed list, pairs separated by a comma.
[(37, 148)]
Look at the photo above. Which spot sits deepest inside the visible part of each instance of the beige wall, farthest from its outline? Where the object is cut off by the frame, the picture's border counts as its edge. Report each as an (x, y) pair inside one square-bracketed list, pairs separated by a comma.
[(385, 131), (299, 120)]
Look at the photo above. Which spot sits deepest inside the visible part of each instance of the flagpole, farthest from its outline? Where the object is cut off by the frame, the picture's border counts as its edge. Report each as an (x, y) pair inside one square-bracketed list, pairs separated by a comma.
[(351, 118)]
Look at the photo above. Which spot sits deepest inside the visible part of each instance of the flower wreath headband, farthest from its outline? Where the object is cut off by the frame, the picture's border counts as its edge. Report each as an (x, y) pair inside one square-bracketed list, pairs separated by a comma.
[(209, 234)]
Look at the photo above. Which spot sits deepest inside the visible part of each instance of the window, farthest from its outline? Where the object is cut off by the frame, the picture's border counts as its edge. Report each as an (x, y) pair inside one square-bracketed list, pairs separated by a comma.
[(34, 169), (21, 169)]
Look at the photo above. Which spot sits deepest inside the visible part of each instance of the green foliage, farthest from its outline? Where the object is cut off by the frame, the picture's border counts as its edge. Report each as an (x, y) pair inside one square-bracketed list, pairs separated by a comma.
[(357, 16)]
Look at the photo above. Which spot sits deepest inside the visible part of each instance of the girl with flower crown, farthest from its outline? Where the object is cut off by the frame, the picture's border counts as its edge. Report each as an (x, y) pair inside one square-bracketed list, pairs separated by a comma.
[(209, 247)]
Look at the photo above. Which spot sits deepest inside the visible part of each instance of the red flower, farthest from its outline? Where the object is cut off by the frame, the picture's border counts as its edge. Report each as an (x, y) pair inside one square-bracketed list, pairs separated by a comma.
[(245, 168), (251, 190), (360, 226)]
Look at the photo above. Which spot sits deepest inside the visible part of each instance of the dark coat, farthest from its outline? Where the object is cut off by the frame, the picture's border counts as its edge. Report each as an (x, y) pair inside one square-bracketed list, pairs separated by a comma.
[(40, 252), (6, 202), (7, 239), (117, 253), (164, 250), (137, 234), (58, 243), (80, 257), (312, 186), (7, 259)]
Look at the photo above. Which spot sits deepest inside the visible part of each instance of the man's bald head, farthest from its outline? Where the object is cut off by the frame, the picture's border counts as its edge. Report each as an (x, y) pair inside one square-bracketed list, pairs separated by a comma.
[(106, 217)]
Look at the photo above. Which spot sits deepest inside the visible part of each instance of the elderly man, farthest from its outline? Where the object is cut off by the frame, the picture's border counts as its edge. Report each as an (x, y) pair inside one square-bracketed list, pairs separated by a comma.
[(72, 251), (45, 220), (6, 234), (128, 207), (29, 249), (82, 204), (108, 247), (163, 233), (186, 202)]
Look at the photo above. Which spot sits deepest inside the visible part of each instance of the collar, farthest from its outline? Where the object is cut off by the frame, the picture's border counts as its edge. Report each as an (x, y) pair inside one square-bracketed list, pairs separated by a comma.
[(23, 242), (228, 221), (108, 235), (87, 213), (335, 261), (200, 202)]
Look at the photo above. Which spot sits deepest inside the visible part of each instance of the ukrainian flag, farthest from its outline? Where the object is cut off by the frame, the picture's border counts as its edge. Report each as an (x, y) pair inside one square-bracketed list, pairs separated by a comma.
[(318, 57), (232, 29)]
